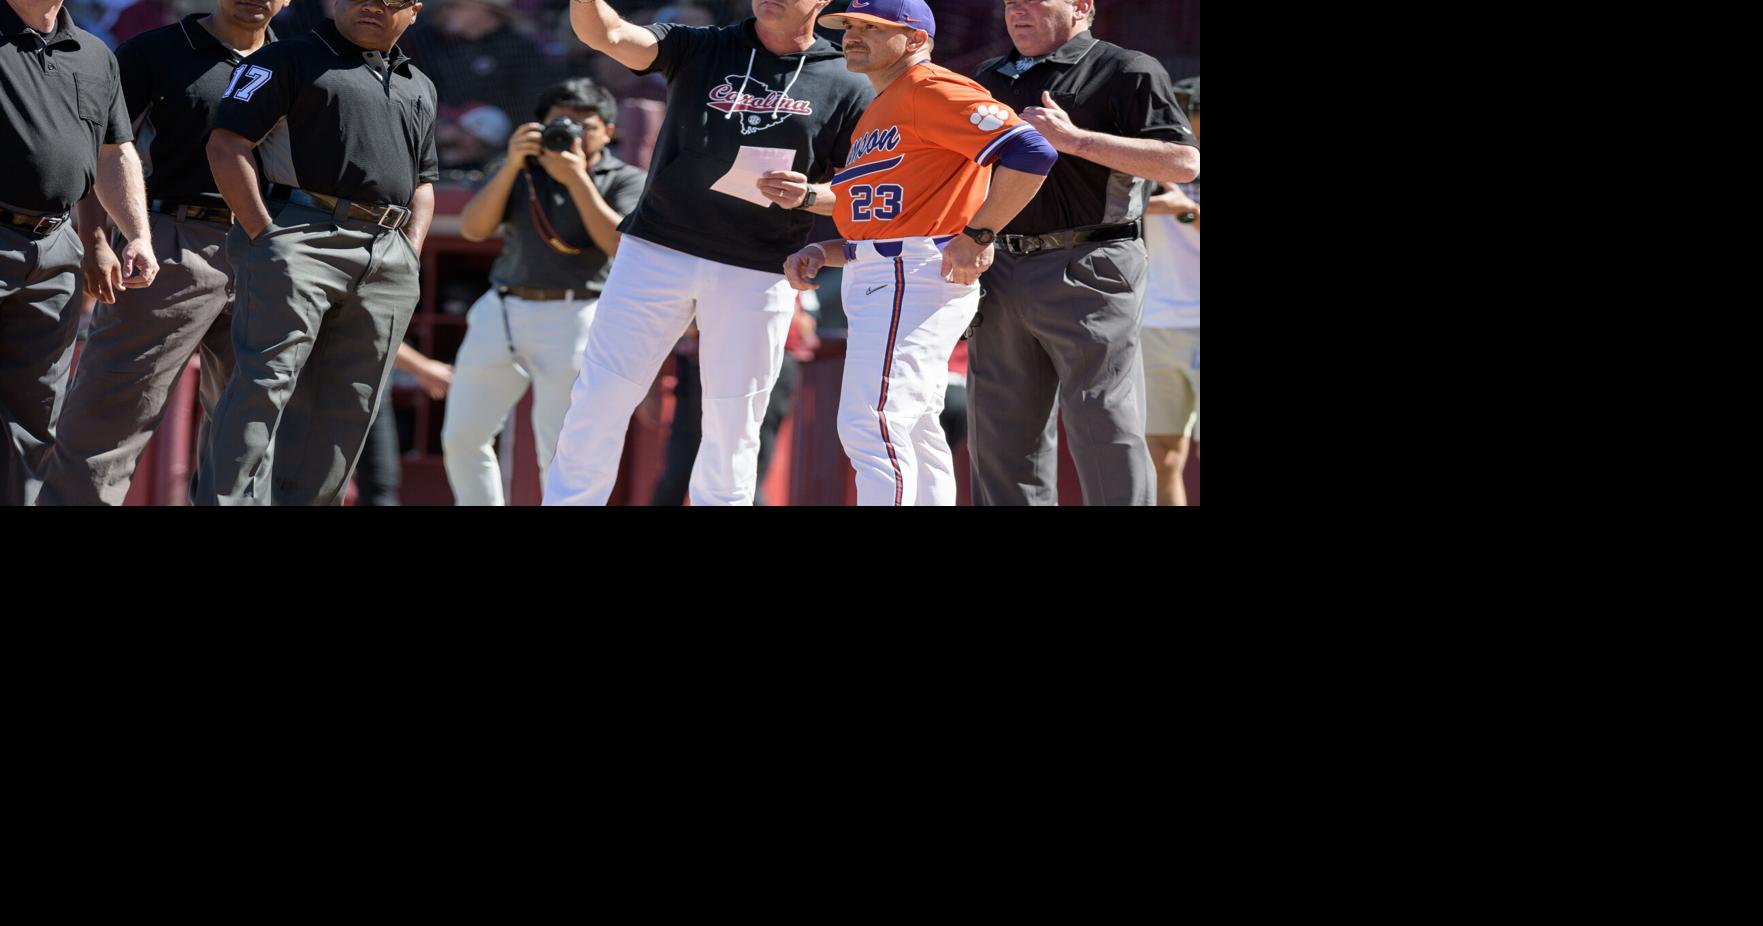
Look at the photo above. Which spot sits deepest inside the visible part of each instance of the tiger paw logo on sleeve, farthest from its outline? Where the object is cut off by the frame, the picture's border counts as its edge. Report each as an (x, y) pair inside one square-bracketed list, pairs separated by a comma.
[(990, 117)]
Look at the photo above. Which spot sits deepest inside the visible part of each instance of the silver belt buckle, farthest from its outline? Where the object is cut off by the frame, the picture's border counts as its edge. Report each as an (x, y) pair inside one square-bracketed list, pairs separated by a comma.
[(52, 221), (397, 214)]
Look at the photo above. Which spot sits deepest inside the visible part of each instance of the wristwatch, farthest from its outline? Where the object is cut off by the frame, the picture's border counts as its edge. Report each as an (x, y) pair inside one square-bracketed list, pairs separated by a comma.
[(982, 236), (808, 200)]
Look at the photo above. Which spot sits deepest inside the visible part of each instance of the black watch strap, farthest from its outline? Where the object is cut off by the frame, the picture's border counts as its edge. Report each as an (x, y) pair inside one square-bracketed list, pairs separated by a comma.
[(980, 236), (808, 200)]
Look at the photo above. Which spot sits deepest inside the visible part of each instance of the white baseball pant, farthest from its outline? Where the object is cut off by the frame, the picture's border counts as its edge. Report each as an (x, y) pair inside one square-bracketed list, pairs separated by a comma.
[(650, 297), (509, 343), (905, 320)]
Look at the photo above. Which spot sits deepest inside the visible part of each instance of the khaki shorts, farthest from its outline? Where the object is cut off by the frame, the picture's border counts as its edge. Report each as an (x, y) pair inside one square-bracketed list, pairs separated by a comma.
[(1172, 381)]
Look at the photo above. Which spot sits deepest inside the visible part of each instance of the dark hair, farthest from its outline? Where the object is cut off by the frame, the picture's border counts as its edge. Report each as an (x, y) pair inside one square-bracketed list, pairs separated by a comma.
[(579, 93)]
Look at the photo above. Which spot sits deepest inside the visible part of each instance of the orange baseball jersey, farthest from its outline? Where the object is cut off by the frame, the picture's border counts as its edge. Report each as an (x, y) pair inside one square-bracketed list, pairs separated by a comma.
[(921, 156)]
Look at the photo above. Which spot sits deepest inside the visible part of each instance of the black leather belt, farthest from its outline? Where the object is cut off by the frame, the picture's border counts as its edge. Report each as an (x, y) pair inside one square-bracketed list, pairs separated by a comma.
[(543, 295), (385, 215), (193, 213), (1053, 241), (38, 226)]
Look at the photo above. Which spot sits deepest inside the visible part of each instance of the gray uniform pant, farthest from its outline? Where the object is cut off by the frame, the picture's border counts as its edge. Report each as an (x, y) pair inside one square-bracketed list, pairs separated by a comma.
[(135, 352), (1060, 325), (322, 305), (39, 318)]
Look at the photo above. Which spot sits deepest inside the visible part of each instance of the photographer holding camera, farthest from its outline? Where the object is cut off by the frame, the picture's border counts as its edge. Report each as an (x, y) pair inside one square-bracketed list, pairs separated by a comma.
[(559, 225)]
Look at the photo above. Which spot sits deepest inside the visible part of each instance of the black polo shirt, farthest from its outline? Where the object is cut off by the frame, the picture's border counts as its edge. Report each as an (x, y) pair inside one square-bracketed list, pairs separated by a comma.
[(330, 117), (527, 260), (60, 99), (171, 78), (1104, 88)]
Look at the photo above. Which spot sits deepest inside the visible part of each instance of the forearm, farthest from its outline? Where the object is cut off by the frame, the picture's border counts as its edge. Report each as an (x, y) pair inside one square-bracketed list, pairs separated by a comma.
[(88, 217), (1011, 191), (1165, 162), (593, 21), (1164, 204), (409, 359), (834, 251), (826, 198), (235, 175), (121, 190), (600, 27), (422, 212), (598, 216), (479, 218), (434, 376)]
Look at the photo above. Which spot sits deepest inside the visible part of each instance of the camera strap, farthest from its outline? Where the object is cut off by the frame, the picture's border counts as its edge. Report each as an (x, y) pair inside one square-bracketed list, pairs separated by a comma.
[(540, 222)]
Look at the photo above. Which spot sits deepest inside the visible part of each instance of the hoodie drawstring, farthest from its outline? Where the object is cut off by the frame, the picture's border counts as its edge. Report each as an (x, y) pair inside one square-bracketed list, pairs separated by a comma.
[(742, 93), (792, 83)]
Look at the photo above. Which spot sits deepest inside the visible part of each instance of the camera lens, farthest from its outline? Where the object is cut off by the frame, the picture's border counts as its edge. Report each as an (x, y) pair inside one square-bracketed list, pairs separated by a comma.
[(560, 134)]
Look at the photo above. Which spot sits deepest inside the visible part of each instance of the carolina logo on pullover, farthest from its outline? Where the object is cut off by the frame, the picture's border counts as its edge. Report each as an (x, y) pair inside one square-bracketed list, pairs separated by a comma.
[(764, 107)]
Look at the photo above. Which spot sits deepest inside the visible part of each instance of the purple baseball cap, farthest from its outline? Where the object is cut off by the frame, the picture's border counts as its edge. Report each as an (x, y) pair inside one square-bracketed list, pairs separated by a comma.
[(913, 14)]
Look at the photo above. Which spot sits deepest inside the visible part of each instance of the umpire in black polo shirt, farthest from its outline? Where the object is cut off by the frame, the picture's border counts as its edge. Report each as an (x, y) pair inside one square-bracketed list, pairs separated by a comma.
[(343, 127), (1060, 313), (64, 132), (141, 339)]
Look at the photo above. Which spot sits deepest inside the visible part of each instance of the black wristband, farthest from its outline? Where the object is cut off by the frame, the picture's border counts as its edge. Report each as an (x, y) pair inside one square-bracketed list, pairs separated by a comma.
[(808, 199)]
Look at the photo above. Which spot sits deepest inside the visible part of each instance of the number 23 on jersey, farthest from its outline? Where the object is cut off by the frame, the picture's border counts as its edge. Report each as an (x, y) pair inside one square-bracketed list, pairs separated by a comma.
[(882, 203)]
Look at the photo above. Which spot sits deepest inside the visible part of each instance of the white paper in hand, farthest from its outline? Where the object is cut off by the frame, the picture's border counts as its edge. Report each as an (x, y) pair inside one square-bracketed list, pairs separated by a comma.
[(742, 180)]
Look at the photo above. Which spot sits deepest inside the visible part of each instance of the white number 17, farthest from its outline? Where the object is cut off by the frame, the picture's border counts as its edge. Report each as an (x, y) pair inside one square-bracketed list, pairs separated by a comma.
[(257, 77)]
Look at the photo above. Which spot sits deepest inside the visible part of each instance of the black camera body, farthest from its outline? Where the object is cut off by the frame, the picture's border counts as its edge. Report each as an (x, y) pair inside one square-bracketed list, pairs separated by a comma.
[(561, 134)]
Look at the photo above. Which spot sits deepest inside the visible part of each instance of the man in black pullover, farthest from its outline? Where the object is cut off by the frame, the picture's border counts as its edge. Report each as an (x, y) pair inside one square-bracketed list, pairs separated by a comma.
[(767, 82)]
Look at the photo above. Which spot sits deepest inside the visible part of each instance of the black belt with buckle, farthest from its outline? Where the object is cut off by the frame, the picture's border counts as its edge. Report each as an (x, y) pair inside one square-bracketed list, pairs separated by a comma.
[(40, 226), (543, 295), (1053, 241), (385, 215), (191, 212)]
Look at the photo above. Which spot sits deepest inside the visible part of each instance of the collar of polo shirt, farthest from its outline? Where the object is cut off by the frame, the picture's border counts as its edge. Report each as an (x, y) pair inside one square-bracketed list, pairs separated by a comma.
[(343, 48), (200, 38), (12, 26), (1069, 53), (606, 163)]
